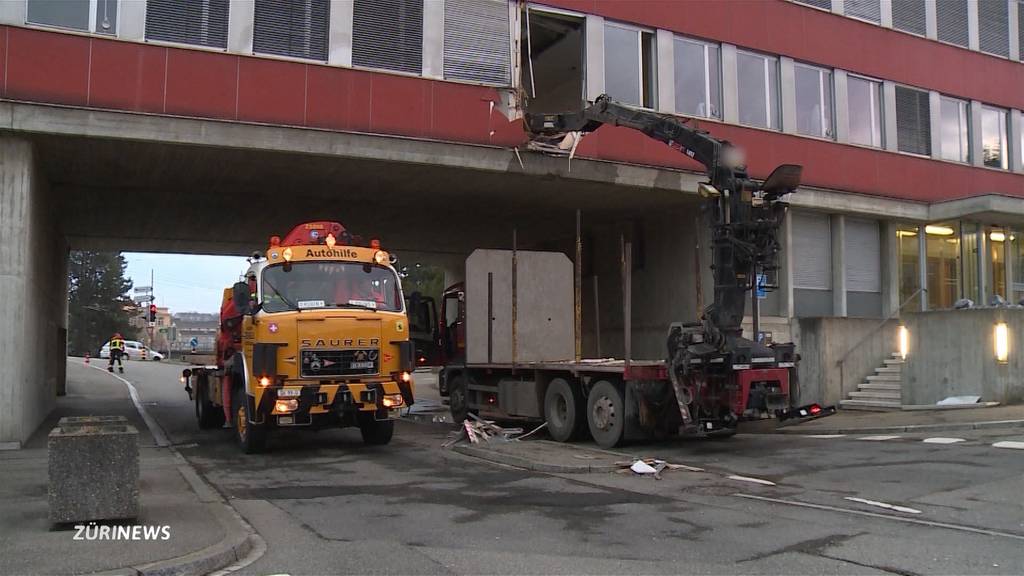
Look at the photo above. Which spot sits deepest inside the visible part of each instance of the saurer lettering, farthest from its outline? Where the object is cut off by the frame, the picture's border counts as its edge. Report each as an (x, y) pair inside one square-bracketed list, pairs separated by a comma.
[(323, 343)]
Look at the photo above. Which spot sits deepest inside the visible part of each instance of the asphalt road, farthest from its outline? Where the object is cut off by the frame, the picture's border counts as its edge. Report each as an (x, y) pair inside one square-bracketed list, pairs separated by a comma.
[(325, 504)]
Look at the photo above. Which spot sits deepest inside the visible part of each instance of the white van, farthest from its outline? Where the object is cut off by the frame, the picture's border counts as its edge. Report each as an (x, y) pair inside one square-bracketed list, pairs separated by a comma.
[(132, 351)]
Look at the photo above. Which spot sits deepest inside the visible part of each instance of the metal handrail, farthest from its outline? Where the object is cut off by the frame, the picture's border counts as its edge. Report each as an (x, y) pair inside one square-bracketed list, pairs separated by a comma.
[(893, 314)]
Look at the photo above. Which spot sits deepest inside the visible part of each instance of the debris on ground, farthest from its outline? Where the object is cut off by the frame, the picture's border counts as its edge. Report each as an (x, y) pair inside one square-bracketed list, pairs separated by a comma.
[(958, 400), (652, 467), (477, 430)]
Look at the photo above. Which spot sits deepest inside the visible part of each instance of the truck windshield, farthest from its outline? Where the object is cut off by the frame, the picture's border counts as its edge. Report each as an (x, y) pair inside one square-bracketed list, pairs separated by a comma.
[(330, 285)]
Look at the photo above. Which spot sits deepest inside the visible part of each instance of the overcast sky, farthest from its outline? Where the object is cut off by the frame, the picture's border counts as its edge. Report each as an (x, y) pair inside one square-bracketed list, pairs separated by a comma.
[(185, 282)]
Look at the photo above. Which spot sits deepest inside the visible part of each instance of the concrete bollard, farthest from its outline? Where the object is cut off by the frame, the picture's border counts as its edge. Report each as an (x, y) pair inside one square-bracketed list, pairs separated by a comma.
[(94, 469)]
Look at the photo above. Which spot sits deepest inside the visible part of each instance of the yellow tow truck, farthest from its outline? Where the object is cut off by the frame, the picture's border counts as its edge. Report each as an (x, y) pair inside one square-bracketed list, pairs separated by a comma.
[(315, 336)]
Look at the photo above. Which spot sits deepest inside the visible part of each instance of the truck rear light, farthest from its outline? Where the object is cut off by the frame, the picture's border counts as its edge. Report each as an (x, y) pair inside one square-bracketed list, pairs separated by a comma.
[(815, 409), (393, 400)]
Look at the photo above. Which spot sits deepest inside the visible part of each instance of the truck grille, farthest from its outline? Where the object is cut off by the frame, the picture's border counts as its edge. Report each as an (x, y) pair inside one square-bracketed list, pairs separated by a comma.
[(321, 363)]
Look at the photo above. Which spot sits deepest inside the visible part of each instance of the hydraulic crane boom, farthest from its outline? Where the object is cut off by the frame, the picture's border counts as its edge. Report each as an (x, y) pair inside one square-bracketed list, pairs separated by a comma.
[(744, 216)]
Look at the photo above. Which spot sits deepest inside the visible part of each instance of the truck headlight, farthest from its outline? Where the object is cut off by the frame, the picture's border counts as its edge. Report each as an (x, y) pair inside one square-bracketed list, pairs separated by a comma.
[(393, 400), (406, 377), (284, 406)]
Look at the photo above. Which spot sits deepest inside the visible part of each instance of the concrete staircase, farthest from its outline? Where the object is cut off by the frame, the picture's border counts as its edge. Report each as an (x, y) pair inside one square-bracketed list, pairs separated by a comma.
[(881, 391)]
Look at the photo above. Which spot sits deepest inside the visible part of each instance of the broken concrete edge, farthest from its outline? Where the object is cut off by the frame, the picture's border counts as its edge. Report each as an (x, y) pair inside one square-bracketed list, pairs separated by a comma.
[(985, 425), (527, 464), (240, 541)]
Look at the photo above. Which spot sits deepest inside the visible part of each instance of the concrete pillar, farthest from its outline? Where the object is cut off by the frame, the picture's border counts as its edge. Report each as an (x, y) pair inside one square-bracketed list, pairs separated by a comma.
[(841, 105), (922, 265), (889, 115), (339, 36), (838, 226), (935, 119), (730, 83), (886, 8), (666, 72), (594, 56), (890, 269), (1016, 138), (973, 34), (33, 281), (433, 40), (839, 7), (241, 17), (13, 13), (131, 21), (984, 281), (787, 80), (786, 305), (931, 20), (977, 158), (1015, 30)]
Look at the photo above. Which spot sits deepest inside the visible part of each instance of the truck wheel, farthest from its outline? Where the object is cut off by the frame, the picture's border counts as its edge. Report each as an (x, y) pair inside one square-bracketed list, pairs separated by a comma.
[(207, 414), (606, 414), (252, 438), (458, 399), (375, 432), (563, 411)]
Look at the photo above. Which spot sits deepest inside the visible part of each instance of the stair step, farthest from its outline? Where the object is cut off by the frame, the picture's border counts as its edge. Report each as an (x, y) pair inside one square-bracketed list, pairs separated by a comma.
[(885, 395), (893, 386), (893, 362), (874, 405), (887, 377), (896, 355), (888, 370)]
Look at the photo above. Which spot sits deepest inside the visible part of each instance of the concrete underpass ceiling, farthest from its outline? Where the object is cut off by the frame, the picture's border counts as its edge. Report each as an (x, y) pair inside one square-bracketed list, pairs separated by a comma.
[(133, 196)]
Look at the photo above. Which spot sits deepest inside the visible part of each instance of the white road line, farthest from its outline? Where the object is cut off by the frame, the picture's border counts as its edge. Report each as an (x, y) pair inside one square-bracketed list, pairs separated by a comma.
[(883, 505), (824, 435), (749, 479), (154, 429), (1009, 444), (940, 440), (905, 519), (878, 438)]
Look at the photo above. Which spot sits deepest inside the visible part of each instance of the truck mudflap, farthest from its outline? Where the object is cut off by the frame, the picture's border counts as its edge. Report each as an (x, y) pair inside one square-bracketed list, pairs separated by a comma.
[(808, 412)]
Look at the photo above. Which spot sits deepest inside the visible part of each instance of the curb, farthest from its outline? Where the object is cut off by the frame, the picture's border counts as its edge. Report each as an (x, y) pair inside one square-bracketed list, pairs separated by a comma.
[(987, 425), (527, 464)]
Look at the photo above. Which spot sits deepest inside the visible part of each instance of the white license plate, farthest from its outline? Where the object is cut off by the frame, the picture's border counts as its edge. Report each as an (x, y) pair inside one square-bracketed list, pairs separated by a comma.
[(289, 393), (286, 420), (357, 365)]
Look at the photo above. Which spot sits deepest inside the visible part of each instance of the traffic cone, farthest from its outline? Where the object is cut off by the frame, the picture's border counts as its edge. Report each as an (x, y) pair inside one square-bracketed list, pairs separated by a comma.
[(86, 357)]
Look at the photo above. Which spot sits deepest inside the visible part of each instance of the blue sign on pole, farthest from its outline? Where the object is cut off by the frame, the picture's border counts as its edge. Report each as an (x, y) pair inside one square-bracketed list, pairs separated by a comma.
[(762, 291)]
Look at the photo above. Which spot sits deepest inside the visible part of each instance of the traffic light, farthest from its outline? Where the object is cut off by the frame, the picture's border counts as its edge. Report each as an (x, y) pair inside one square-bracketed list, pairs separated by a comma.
[(152, 312)]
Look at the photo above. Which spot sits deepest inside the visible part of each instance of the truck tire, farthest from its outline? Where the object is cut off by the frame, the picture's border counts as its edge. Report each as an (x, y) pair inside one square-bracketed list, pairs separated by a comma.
[(375, 432), (252, 438), (458, 398), (606, 414), (563, 411), (208, 414)]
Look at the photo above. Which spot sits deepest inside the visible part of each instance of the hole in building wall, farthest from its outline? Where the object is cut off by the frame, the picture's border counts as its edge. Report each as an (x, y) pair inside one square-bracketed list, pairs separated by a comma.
[(552, 62)]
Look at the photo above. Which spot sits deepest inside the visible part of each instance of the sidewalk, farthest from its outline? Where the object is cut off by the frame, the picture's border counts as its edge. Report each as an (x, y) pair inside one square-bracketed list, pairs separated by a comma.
[(857, 421), (170, 495)]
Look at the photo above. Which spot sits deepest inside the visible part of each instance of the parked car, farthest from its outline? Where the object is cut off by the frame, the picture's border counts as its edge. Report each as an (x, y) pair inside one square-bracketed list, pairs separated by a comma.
[(132, 351)]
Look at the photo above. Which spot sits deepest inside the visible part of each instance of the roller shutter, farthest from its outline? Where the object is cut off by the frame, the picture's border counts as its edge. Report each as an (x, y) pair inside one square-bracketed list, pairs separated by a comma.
[(476, 41), (870, 10), (913, 121), (198, 22), (862, 256), (826, 4), (1020, 29), (388, 34), (951, 18), (994, 27), (296, 28), (909, 16), (812, 251)]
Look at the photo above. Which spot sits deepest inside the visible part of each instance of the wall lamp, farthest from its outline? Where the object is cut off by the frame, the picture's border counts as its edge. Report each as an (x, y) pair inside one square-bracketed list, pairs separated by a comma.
[(1002, 339), (904, 337)]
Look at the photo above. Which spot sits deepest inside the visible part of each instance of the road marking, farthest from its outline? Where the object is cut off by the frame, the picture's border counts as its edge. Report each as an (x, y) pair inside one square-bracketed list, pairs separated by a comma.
[(749, 479), (1009, 444), (878, 438), (904, 519), (883, 505), (825, 436), (940, 440), (154, 429)]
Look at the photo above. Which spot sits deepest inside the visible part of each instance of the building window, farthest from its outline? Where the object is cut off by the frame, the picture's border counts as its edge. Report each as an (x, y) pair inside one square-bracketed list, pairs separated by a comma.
[(909, 247), (951, 18), (813, 101), (698, 78), (870, 10), (476, 41), (943, 255), (388, 34), (955, 135), (758, 87), (993, 137), (994, 27), (864, 98), (913, 121), (909, 16), (812, 251), (74, 14), (629, 67), (862, 256), (296, 28), (201, 23), (1020, 29)]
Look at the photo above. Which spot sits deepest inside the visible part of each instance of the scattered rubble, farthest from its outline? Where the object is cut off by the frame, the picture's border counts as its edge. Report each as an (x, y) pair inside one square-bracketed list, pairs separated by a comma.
[(652, 467), (477, 430)]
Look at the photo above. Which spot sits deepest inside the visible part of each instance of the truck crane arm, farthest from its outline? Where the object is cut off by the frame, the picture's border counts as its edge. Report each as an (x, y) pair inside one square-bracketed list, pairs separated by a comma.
[(744, 216)]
